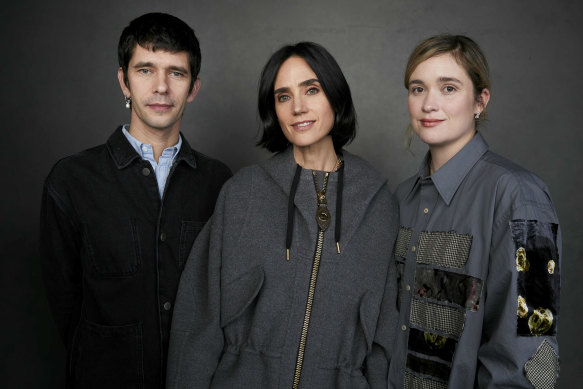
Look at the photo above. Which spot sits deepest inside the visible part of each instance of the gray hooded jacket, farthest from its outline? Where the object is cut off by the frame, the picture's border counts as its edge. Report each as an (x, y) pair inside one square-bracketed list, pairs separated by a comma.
[(241, 305)]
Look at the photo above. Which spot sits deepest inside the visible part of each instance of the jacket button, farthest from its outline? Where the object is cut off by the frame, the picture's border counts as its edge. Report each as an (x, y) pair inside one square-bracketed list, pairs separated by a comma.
[(167, 305), (163, 237), (146, 171)]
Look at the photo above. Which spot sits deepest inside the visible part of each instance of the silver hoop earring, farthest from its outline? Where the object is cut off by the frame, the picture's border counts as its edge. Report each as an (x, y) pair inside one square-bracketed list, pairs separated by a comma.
[(128, 102), (477, 115)]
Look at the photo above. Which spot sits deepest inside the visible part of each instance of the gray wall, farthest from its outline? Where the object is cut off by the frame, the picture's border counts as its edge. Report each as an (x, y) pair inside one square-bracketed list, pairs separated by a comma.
[(60, 95)]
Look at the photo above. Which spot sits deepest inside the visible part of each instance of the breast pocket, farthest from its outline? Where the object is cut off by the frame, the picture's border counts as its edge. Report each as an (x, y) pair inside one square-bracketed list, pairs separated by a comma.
[(112, 248), (109, 356), (189, 230)]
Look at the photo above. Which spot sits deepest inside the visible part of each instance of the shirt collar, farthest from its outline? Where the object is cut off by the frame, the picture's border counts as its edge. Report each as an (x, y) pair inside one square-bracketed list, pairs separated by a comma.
[(123, 152), (145, 150), (449, 177)]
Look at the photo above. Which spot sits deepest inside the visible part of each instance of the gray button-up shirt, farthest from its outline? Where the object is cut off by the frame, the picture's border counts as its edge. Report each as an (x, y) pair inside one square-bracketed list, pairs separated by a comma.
[(478, 264)]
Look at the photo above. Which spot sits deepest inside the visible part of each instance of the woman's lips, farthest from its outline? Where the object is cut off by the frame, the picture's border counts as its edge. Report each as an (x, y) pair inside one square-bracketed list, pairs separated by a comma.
[(430, 122), (303, 125)]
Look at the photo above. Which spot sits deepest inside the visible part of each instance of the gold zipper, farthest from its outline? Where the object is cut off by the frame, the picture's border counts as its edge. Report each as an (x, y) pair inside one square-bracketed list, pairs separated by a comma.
[(304, 337), (323, 220)]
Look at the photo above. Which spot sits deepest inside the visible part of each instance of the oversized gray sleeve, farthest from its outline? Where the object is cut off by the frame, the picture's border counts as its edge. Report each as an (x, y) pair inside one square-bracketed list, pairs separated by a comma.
[(519, 340), (377, 361), (196, 337)]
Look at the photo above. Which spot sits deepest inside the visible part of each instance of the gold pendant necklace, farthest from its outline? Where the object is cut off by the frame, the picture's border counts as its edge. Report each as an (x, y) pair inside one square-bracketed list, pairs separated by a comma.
[(322, 213)]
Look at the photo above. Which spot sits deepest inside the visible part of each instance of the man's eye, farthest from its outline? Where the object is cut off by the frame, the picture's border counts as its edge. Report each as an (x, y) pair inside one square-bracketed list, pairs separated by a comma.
[(416, 90), (449, 89), (144, 71), (177, 74)]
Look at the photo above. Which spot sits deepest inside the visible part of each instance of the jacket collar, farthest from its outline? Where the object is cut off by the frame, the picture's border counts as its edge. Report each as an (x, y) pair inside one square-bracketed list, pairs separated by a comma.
[(123, 153), (449, 177)]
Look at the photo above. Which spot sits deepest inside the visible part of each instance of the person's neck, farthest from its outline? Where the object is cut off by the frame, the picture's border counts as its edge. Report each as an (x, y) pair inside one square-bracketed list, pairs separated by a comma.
[(320, 156), (159, 139), (441, 154)]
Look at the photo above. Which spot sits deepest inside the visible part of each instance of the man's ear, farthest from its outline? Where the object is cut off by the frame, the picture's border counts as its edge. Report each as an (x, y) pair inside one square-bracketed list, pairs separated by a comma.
[(122, 84), (194, 91)]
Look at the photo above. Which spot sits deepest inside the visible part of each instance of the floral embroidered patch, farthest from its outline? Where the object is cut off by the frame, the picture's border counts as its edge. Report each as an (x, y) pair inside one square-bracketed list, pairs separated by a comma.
[(538, 275)]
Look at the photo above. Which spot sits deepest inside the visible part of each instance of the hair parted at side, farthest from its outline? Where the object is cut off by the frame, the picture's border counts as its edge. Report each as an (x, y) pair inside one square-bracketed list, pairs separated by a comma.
[(159, 31), (333, 84)]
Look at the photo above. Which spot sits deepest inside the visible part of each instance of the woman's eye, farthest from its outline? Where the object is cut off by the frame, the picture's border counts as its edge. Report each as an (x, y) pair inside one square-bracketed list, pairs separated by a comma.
[(416, 90), (312, 91), (282, 98)]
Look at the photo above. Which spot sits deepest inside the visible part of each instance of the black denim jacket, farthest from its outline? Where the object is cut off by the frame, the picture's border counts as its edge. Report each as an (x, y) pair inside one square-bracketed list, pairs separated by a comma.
[(112, 253)]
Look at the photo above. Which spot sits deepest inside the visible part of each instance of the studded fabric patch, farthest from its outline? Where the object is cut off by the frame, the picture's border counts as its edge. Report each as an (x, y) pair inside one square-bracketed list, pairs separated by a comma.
[(403, 240), (538, 276), (446, 249), (413, 382), (432, 344), (454, 288), (439, 318), (542, 369)]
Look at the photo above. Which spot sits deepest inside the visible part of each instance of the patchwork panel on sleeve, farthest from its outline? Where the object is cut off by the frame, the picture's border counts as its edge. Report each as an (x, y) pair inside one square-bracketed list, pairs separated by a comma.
[(403, 240), (455, 288), (439, 318), (413, 382), (538, 276), (446, 249), (542, 369)]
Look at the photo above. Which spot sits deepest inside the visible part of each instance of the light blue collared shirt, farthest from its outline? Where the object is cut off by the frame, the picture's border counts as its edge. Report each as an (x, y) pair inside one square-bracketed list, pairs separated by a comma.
[(162, 167)]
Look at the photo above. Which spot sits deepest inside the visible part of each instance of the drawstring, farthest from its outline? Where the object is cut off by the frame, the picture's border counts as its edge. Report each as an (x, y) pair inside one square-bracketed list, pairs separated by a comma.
[(291, 209), (339, 206)]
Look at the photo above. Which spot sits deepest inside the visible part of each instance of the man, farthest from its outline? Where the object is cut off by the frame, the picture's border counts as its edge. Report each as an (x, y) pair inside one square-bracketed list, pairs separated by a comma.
[(118, 220)]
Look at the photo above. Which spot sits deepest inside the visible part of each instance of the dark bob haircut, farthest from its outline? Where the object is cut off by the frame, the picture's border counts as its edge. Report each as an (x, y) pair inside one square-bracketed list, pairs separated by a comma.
[(333, 83), (159, 31)]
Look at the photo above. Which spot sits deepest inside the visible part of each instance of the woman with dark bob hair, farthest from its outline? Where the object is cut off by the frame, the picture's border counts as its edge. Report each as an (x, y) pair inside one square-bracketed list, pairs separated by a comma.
[(479, 248), (283, 288)]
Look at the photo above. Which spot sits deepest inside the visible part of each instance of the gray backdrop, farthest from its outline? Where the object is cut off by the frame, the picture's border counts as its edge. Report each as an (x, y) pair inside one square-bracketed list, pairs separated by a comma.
[(60, 95)]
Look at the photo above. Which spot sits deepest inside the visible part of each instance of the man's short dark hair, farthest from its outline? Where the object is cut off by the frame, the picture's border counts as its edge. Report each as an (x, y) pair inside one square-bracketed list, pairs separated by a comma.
[(332, 81), (159, 31)]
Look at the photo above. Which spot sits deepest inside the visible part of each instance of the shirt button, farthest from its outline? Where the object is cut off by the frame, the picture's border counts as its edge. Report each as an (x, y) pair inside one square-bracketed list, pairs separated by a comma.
[(413, 248), (144, 149), (167, 305), (404, 327), (146, 171), (163, 237), (408, 287), (426, 211)]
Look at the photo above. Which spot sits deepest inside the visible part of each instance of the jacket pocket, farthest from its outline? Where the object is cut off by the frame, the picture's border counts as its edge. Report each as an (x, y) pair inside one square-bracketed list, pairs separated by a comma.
[(109, 357), (188, 232), (113, 248), (350, 333)]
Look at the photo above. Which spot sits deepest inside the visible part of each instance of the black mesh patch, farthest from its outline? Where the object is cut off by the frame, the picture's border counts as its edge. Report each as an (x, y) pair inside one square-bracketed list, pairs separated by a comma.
[(403, 240), (538, 276), (542, 369), (454, 288), (428, 367), (413, 382), (432, 344), (439, 318), (446, 249)]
